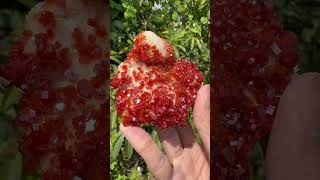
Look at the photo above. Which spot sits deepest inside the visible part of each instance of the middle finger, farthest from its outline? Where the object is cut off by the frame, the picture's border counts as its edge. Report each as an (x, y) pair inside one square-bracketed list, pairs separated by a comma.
[(171, 143)]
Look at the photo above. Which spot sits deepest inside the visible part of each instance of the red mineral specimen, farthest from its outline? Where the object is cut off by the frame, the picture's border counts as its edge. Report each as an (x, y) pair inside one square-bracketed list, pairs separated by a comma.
[(253, 59), (152, 87), (63, 74)]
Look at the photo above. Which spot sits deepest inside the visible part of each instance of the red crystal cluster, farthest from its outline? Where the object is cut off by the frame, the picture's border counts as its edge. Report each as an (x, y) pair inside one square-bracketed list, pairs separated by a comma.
[(152, 87), (60, 63), (253, 58)]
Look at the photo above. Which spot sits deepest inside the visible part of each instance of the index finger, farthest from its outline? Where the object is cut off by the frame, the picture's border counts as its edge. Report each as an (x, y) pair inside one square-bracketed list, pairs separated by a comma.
[(142, 142)]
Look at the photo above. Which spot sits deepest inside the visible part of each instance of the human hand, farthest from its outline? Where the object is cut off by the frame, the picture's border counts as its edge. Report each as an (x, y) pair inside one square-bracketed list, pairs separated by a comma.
[(294, 143), (184, 158)]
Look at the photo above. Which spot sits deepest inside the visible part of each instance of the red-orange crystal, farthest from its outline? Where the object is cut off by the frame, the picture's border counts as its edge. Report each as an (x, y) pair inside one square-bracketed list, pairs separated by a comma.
[(155, 89)]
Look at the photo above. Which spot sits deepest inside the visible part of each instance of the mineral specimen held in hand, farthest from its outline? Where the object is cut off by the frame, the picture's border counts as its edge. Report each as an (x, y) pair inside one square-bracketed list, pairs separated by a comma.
[(152, 86)]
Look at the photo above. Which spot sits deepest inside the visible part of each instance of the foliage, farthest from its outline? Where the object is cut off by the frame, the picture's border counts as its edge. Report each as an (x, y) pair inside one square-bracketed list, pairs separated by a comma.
[(10, 157), (12, 16), (183, 23), (256, 159), (11, 23)]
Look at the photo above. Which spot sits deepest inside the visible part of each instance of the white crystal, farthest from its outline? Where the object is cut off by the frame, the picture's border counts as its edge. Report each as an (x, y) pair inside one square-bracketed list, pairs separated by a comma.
[(77, 178), (252, 60), (55, 140), (270, 110), (253, 127), (32, 113), (218, 23), (70, 75), (90, 125), (35, 127), (60, 106), (234, 120), (234, 143), (275, 48), (140, 169), (44, 95)]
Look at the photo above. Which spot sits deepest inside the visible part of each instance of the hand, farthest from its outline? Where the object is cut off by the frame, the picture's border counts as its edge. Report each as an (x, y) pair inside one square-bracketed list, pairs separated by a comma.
[(184, 158), (294, 143)]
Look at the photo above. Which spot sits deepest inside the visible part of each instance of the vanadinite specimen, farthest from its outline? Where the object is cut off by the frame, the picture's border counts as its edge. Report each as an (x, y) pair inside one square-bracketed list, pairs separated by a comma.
[(152, 86), (61, 65), (253, 59)]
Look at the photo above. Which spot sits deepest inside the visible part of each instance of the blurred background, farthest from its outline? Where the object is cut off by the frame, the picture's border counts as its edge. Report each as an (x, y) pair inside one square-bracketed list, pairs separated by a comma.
[(12, 14)]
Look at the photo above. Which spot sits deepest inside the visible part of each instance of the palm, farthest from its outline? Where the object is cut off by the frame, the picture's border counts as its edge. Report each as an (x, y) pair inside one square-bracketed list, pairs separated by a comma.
[(188, 159), (183, 157)]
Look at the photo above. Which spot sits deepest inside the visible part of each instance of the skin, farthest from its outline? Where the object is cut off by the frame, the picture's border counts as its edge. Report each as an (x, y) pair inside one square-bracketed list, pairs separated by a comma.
[(293, 149), (183, 158), (294, 145)]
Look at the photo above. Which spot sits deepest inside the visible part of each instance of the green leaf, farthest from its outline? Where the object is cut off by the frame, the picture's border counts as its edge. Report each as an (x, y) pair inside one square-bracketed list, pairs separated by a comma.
[(256, 159), (165, 32), (118, 24), (129, 149), (117, 147), (113, 118), (175, 16), (17, 23), (204, 20), (113, 52), (7, 130), (196, 30), (181, 47), (12, 169), (192, 44), (176, 52), (155, 138), (2, 59), (115, 59), (190, 17), (30, 176), (11, 97), (198, 43), (28, 3), (129, 41), (177, 36)]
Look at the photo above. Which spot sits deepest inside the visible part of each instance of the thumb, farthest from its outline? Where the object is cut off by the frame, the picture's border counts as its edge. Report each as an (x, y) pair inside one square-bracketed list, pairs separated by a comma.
[(201, 115)]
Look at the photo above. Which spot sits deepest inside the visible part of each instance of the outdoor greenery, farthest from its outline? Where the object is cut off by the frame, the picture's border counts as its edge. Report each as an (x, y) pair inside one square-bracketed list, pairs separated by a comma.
[(12, 16)]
